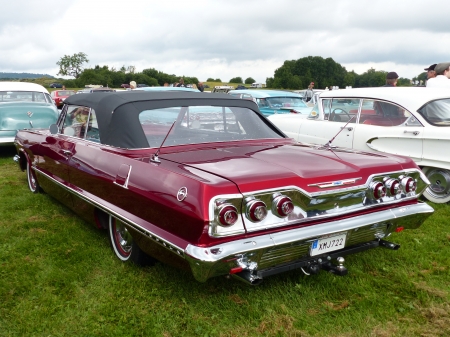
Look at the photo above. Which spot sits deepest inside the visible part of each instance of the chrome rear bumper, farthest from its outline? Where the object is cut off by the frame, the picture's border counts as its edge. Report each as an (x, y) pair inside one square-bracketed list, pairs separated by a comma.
[(270, 251)]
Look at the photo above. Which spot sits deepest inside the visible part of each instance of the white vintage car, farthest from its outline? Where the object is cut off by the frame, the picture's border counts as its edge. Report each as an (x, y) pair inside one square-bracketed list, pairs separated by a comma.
[(408, 121)]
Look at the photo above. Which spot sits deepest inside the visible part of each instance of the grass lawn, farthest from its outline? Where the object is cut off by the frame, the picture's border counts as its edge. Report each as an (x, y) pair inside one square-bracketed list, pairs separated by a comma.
[(58, 277)]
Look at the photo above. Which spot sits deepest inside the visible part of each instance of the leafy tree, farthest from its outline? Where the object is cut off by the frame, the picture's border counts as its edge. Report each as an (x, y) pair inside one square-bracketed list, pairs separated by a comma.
[(249, 80), (236, 80), (371, 78), (217, 80), (210, 79), (72, 65), (422, 77), (403, 82)]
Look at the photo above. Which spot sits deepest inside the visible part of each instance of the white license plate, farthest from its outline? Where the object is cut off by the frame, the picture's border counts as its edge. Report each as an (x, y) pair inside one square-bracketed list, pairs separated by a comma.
[(328, 244)]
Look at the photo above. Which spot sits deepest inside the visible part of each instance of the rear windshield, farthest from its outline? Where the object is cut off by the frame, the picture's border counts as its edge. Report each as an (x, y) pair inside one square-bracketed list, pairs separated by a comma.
[(437, 112), (18, 96), (203, 124)]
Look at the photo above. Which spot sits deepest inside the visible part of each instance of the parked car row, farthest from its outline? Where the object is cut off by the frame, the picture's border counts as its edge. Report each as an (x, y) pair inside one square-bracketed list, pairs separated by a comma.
[(412, 122), (206, 183)]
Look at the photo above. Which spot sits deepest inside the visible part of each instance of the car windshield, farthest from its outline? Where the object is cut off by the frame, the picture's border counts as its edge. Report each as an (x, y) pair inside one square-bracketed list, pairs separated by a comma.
[(437, 112), (282, 102), (203, 124), (20, 96), (66, 93)]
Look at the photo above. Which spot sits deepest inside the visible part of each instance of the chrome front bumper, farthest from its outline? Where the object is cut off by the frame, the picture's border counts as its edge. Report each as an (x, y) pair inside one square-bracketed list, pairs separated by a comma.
[(272, 250)]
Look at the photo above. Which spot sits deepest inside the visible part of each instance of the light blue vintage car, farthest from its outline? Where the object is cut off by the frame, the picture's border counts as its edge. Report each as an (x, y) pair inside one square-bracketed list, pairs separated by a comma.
[(274, 101), (24, 106)]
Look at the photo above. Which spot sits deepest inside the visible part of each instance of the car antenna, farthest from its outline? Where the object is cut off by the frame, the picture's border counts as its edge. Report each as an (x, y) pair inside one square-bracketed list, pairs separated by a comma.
[(155, 158), (331, 140)]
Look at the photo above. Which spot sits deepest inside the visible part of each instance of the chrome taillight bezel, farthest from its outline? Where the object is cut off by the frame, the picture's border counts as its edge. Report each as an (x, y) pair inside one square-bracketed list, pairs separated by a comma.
[(408, 184), (282, 205), (255, 209), (377, 190), (227, 215), (393, 187)]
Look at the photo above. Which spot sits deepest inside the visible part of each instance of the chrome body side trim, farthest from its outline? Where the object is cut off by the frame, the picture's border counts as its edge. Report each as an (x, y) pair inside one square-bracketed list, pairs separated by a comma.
[(86, 197)]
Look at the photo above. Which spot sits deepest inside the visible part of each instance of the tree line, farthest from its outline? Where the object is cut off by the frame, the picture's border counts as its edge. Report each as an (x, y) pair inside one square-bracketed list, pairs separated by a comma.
[(293, 74), (298, 74)]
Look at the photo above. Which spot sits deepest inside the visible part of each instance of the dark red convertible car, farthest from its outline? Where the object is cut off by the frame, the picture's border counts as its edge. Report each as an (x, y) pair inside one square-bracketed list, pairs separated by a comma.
[(205, 182)]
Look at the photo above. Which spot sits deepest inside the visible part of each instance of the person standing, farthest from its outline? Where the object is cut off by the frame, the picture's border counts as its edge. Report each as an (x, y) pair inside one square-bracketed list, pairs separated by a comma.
[(442, 76), (310, 92), (181, 83), (391, 79), (200, 87), (132, 85), (431, 73)]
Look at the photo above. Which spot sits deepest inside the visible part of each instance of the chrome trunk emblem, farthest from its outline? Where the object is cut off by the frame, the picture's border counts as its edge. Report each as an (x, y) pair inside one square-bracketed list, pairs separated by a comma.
[(336, 183), (182, 194)]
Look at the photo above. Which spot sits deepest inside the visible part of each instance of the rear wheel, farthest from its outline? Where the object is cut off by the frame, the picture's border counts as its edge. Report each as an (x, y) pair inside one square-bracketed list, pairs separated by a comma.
[(123, 245), (33, 184), (439, 189)]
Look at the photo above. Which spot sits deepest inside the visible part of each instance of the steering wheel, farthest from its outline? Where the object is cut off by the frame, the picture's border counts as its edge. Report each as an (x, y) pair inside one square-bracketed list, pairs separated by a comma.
[(333, 113)]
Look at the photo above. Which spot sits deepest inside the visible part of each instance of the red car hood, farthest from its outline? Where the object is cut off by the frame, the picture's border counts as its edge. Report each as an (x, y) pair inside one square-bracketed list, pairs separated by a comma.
[(258, 167)]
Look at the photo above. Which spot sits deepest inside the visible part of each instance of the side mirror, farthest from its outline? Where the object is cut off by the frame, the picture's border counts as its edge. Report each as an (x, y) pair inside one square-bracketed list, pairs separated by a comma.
[(54, 129)]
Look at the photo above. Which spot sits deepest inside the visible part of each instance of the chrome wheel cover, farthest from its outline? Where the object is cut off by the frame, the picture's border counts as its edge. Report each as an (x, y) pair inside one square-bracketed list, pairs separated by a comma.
[(121, 238), (440, 183)]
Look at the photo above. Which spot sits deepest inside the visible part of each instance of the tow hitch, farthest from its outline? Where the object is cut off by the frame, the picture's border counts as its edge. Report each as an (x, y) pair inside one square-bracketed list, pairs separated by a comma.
[(339, 270), (389, 245)]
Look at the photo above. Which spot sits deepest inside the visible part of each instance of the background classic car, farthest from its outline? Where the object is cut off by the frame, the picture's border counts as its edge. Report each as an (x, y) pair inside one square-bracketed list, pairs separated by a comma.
[(60, 95), (206, 183), (413, 122), (24, 105), (274, 101)]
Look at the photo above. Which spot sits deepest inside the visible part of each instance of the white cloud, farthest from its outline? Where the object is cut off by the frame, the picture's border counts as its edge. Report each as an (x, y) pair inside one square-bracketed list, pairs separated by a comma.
[(207, 38)]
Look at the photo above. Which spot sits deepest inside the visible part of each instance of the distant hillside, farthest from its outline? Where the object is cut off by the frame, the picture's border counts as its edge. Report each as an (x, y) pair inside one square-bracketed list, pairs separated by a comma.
[(22, 75)]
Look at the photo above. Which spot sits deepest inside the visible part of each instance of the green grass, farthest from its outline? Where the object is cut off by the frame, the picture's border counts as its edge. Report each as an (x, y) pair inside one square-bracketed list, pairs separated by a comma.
[(58, 277)]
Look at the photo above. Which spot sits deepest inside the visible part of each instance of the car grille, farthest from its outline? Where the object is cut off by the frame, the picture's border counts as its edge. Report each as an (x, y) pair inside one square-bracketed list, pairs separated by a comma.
[(295, 251)]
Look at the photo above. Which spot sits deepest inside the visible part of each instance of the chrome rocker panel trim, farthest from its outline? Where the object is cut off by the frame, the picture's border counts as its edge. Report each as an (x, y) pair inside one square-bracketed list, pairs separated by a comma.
[(144, 231)]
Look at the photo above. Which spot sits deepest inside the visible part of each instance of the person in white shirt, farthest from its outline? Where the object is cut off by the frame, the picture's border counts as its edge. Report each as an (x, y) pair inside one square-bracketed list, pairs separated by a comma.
[(442, 78)]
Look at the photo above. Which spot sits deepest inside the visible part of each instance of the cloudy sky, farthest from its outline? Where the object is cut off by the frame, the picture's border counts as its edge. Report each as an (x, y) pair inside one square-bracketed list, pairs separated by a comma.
[(224, 39)]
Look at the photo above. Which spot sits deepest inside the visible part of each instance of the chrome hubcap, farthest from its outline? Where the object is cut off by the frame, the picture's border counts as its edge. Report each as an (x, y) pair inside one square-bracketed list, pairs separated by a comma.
[(123, 238), (440, 183)]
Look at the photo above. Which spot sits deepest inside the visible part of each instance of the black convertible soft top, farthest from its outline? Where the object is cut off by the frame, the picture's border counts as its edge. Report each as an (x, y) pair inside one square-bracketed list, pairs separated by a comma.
[(118, 112)]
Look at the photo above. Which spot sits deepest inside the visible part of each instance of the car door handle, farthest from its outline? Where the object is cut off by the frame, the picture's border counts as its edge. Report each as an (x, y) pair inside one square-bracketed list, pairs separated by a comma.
[(415, 132), (67, 152), (348, 128)]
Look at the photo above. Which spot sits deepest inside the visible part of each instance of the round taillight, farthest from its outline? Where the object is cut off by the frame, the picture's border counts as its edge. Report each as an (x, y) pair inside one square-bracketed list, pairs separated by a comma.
[(228, 215), (377, 189), (256, 210), (282, 205), (392, 187), (408, 184)]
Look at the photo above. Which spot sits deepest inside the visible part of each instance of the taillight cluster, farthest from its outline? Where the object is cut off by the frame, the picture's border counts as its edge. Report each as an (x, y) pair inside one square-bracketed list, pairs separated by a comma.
[(392, 187), (255, 210)]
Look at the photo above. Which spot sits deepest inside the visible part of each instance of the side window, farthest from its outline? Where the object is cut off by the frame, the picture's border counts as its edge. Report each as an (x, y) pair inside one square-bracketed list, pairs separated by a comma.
[(326, 103), (314, 113), (262, 103), (76, 121), (343, 110), (436, 112), (48, 98), (92, 133), (380, 113)]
